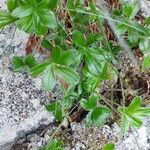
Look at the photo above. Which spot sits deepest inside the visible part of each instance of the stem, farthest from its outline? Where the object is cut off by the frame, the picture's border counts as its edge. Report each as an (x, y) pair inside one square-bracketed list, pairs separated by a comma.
[(58, 128), (103, 97), (106, 101), (123, 94)]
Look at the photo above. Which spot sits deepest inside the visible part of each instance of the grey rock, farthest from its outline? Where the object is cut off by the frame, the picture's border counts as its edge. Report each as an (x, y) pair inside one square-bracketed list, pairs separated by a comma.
[(21, 97)]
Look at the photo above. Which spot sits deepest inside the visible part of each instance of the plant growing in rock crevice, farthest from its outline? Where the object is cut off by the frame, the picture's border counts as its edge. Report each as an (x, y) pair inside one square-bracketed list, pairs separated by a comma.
[(82, 54)]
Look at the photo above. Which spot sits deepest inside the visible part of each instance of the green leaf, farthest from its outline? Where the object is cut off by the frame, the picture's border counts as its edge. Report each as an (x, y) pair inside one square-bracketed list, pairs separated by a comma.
[(78, 38), (49, 79), (25, 23), (53, 4), (93, 64), (85, 104), (29, 2), (93, 99), (67, 74), (127, 10), (47, 18), (30, 61), (55, 145), (55, 108), (135, 9), (133, 39), (144, 45), (124, 125), (98, 116), (105, 72), (142, 112), (121, 28), (51, 107), (17, 64), (109, 146), (93, 38), (5, 19), (146, 62), (38, 69), (46, 44), (43, 4), (69, 57), (132, 115), (147, 21), (12, 4), (91, 103), (135, 104), (56, 53), (135, 122), (35, 16), (22, 11)]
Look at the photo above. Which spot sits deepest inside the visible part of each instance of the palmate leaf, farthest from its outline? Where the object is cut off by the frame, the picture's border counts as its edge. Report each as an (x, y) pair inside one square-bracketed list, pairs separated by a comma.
[(21, 64), (51, 71), (35, 16), (132, 115)]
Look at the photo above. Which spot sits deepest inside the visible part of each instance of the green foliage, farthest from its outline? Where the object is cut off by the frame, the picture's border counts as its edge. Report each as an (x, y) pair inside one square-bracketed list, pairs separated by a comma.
[(54, 145), (6, 19), (32, 16), (12, 4), (49, 79), (130, 10), (146, 62), (144, 45), (91, 103), (132, 115), (35, 16), (60, 107), (81, 54), (109, 146), (96, 115), (56, 109), (21, 64), (78, 39)]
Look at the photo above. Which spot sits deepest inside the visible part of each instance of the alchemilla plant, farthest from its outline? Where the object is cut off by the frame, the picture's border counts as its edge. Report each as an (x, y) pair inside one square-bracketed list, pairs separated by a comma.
[(83, 42)]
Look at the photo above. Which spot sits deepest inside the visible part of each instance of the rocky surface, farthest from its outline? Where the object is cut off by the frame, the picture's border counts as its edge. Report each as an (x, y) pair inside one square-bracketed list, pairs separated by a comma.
[(21, 98)]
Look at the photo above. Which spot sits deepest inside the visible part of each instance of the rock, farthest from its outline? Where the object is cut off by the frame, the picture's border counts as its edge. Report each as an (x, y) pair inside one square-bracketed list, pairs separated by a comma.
[(21, 97), (145, 6)]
